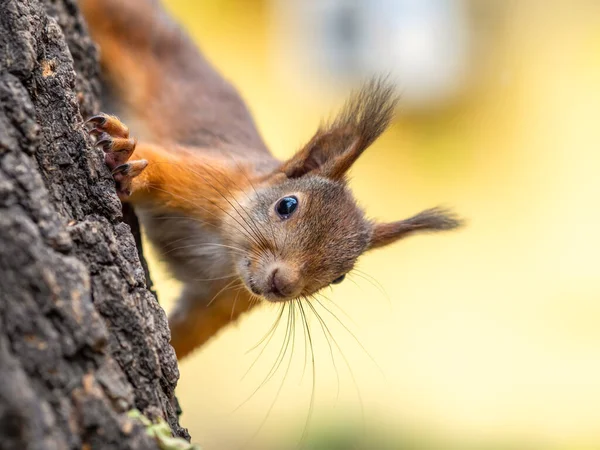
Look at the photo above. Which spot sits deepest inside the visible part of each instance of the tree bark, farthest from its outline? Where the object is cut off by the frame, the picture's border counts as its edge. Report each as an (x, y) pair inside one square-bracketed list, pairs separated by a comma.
[(82, 338)]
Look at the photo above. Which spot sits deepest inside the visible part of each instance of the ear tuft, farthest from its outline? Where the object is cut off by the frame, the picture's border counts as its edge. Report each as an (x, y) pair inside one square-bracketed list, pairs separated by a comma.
[(368, 111), (337, 145), (430, 220)]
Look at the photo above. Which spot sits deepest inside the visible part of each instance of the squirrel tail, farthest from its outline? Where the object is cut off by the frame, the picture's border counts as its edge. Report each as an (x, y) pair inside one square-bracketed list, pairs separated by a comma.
[(159, 80)]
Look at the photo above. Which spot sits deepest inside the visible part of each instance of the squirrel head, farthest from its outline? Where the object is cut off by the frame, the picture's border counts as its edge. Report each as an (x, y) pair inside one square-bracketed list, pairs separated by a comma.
[(303, 229)]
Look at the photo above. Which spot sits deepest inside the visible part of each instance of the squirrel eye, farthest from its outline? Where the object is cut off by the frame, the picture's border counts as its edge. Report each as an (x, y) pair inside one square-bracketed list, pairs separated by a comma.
[(338, 280), (286, 206)]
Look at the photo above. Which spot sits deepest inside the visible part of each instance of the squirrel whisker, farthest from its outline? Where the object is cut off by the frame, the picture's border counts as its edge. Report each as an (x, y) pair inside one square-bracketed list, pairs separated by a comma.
[(289, 337), (314, 375)]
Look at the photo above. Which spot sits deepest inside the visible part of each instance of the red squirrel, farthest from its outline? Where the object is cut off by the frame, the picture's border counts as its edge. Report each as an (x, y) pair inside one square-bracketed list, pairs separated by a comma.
[(235, 225)]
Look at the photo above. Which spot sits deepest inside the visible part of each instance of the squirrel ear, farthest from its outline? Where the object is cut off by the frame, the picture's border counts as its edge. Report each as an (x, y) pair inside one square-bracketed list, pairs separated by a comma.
[(430, 220), (335, 147), (323, 154)]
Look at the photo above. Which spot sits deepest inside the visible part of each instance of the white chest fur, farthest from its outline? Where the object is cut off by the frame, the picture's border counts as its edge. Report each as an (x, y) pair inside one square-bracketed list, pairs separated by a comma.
[(193, 250)]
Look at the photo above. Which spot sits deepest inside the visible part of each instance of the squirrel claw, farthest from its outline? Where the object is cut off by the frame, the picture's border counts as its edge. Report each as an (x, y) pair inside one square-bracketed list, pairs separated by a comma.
[(125, 173), (113, 137), (118, 150), (102, 139), (99, 119), (109, 124), (95, 132), (131, 169)]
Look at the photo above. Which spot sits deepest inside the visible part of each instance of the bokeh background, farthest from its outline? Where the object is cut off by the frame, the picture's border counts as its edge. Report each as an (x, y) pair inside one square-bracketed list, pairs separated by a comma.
[(487, 337)]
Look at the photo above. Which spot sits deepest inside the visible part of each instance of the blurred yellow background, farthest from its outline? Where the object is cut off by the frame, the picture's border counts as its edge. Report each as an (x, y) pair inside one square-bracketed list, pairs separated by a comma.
[(488, 336)]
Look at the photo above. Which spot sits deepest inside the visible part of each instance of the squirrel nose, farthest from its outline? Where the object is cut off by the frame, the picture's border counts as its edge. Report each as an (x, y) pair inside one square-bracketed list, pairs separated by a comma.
[(283, 282), (277, 284)]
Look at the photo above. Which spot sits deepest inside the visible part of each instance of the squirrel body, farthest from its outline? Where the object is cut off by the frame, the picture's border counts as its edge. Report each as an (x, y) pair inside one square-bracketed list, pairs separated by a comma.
[(234, 224)]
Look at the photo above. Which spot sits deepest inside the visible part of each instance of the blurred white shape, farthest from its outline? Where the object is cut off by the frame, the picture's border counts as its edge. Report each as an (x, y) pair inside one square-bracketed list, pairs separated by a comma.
[(423, 44)]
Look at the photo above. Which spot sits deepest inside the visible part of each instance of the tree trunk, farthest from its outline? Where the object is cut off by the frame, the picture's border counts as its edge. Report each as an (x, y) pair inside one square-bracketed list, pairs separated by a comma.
[(82, 338)]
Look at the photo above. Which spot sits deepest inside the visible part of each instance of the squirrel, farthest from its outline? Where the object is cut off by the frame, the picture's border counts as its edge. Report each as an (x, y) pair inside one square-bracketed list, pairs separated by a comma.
[(235, 225)]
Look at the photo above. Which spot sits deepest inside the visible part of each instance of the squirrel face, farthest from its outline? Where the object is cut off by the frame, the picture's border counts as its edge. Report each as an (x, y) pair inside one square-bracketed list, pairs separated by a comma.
[(309, 234), (303, 229)]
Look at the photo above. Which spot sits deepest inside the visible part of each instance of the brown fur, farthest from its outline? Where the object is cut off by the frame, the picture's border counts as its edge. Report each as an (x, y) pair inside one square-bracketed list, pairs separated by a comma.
[(206, 189)]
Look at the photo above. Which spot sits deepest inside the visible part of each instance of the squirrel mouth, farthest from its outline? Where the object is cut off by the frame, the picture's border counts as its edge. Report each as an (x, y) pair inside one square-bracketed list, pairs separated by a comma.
[(269, 296)]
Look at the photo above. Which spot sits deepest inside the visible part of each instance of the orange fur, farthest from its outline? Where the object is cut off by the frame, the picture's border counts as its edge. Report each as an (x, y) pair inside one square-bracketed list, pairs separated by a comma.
[(193, 324), (184, 181)]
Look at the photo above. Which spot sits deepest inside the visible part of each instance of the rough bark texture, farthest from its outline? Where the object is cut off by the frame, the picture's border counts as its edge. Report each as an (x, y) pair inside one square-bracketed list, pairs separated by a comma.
[(82, 339)]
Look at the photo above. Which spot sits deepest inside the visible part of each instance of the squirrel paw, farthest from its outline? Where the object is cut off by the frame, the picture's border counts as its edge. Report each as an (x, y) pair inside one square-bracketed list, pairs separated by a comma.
[(113, 137)]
